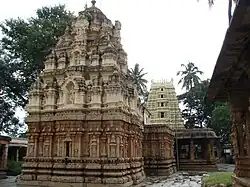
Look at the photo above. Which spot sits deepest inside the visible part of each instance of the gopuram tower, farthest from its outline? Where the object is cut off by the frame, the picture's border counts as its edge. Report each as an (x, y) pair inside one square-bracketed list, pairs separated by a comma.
[(85, 118), (163, 105)]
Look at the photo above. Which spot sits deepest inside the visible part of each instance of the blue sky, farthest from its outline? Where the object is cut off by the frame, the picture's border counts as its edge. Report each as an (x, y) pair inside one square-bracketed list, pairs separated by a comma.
[(160, 35)]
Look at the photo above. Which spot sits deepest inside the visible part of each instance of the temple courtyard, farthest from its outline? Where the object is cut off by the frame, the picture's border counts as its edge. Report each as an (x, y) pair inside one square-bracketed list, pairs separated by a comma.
[(179, 179), (175, 180)]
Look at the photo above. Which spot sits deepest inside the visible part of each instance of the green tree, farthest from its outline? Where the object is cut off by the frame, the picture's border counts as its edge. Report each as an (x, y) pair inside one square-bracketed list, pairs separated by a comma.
[(137, 75), (189, 76), (23, 47), (221, 122), (197, 111)]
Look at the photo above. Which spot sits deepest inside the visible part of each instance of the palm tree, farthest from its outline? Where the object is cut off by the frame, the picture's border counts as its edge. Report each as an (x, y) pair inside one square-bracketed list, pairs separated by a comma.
[(137, 74), (189, 77)]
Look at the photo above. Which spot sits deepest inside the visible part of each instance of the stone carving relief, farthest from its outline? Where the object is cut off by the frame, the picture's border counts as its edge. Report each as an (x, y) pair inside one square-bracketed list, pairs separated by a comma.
[(31, 150), (93, 147), (103, 140), (121, 147), (113, 146), (80, 29), (46, 147), (76, 57), (70, 93), (40, 146), (239, 120)]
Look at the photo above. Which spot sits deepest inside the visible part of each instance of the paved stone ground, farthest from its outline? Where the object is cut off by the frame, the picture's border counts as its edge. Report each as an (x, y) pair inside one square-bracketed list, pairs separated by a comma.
[(9, 182), (181, 179), (226, 167), (175, 180)]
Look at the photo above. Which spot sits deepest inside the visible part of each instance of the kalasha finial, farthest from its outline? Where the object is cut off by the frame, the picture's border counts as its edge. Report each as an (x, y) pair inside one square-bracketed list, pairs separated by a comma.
[(93, 2)]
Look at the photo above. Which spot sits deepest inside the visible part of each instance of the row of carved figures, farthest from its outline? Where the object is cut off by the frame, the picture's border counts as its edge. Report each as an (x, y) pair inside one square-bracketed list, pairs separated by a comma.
[(85, 146)]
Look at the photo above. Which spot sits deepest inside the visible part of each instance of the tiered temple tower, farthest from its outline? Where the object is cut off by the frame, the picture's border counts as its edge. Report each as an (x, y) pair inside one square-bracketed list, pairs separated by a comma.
[(163, 105), (85, 118)]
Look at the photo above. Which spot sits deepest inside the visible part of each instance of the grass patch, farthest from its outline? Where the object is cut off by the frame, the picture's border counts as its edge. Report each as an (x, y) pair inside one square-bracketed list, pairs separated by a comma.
[(219, 178)]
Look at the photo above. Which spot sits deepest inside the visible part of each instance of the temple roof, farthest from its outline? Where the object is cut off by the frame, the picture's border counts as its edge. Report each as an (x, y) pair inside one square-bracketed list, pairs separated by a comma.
[(232, 62), (5, 138), (195, 133)]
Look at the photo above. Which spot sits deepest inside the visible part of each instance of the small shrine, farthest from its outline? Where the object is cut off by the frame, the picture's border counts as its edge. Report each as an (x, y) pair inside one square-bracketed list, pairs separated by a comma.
[(168, 146), (195, 149)]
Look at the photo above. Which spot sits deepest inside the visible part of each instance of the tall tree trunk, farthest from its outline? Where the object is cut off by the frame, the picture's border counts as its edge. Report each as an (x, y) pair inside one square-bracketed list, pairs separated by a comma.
[(229, 10)]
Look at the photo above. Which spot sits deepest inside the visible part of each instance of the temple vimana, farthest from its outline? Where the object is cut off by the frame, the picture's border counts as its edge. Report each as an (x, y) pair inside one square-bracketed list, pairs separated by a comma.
[(87, 126)]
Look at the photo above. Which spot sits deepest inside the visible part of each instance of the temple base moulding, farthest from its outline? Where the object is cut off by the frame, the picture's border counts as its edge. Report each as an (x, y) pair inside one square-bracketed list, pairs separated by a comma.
[(60, 184), (198, 165), (3, 173), (240, 181)]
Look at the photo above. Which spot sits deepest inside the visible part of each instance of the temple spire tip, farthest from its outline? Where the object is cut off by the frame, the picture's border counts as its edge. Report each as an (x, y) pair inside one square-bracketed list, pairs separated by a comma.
[(93, 2)]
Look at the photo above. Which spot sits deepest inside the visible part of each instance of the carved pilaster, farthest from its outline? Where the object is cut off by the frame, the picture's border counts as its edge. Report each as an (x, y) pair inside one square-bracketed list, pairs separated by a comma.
[(240, 113), (238, 120), (191, 149)]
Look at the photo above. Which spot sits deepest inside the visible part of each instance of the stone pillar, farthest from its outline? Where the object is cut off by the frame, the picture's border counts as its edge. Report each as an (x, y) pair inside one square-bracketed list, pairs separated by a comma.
[(5, 155), (212, 150), (239, 112), (205, 149), (192, 149), (17, 154), (209, 150)]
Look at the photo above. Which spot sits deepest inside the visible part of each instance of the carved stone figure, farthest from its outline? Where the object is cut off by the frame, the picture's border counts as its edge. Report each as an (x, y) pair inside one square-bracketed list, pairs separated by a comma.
[(71, 97)]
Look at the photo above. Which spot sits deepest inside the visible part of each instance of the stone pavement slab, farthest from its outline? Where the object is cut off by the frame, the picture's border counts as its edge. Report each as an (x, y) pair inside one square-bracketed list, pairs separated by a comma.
[(180, 179)]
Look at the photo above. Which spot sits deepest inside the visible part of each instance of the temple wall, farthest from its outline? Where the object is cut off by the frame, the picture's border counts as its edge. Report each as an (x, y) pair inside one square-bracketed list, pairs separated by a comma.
[(158, 150), (77, 151)]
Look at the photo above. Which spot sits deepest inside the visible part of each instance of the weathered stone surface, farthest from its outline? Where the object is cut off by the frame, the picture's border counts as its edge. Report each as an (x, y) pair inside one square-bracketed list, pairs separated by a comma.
[(175, 180), (158, 150), (85, 118)]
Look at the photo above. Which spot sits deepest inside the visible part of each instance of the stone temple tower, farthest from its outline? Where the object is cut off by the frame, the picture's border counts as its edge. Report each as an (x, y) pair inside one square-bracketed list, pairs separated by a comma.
[(85, 119), (163, 105)]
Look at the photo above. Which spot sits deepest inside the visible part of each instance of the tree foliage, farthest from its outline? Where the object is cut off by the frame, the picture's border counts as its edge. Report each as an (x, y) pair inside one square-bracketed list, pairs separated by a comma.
[(23, 47), (137, 76), (221, 122), (197, 111), (200, 112), (189, 76)]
